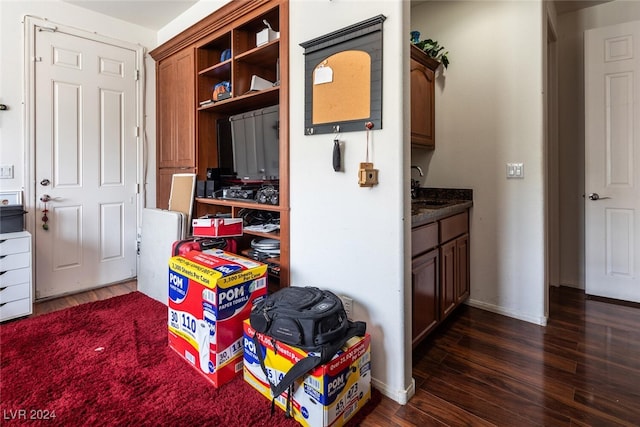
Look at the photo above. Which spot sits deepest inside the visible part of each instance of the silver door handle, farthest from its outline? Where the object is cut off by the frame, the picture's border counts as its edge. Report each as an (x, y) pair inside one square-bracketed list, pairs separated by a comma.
[(596, 196), (47, 198)]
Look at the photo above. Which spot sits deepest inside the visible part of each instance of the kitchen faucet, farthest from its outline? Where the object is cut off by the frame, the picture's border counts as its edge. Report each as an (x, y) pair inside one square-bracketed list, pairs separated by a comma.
[(415, 184)]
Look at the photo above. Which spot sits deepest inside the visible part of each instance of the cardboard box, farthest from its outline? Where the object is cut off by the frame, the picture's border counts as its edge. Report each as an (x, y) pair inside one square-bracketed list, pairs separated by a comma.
[(265, 36), (210, 295), (217, 227), (329, 395)]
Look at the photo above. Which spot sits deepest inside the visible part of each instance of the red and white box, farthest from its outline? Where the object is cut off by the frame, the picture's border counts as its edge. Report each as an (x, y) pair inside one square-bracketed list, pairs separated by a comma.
[(217, 227), (329, 395), (211, 293)]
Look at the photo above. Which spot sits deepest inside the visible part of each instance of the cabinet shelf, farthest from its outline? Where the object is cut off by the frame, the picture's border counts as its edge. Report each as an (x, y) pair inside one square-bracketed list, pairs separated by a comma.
[(273, 260), (265, 53), (240, 204), (248, 101), (221, 70), (273, 235)]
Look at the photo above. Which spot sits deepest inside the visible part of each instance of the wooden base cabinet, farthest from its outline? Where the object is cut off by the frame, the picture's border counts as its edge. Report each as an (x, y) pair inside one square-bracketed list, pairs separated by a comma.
[(454, 262), (462, 268), (447, 278), (439, 272), (424, 281)]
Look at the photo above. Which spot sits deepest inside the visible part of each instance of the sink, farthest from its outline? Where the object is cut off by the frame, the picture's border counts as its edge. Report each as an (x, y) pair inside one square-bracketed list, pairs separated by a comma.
[(431, 204), (419, 206)]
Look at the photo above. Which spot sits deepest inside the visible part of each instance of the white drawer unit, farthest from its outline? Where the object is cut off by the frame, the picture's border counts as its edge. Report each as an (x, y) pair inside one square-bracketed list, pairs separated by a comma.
[(15, 275)]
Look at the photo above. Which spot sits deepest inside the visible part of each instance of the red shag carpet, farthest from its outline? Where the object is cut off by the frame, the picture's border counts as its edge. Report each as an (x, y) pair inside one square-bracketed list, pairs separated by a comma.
[(108, 363)]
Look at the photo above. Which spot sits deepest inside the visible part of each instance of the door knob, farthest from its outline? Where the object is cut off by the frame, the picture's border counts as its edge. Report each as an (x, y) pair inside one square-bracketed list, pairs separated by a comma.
[(45, 198), (45, 182), (596, 196)]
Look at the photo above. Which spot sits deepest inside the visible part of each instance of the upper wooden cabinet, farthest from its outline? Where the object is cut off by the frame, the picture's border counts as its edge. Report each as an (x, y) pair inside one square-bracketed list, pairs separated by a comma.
[(176, 111), (423, 117)]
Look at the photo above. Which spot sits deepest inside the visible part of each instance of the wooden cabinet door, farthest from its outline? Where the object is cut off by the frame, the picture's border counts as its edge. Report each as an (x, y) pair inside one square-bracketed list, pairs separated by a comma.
[(165, 148), (424, 280), (462, 268), (176, 111), (422, 105), (447, 278)]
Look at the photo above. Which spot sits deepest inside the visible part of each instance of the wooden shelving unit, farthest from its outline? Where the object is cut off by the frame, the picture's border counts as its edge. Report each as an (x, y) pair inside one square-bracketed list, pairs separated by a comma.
[(222, 48)]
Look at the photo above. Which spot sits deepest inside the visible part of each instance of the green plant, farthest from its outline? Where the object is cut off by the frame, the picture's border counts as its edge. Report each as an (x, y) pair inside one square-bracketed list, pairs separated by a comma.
[(434, 50)]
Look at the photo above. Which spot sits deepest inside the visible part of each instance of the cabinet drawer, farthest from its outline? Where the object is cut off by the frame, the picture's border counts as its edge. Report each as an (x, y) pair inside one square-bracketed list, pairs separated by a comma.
[(15, 261), (21, 307), (13, 277), (14, 246), (424, 238), (15, 292), (454, 226)]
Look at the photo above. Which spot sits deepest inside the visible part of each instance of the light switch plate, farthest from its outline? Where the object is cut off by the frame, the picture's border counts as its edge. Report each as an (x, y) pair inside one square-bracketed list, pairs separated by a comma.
[(6, 172), (515, 170)]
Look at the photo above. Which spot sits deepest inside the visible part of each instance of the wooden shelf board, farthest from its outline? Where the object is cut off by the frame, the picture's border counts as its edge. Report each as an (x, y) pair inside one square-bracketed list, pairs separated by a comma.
[(273, 235), (220, 70), (240, 204), (261, 54), (249, 100)]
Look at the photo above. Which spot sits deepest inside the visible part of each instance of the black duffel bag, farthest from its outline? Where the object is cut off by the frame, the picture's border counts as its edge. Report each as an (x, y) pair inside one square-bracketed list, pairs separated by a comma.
[(309, 318)]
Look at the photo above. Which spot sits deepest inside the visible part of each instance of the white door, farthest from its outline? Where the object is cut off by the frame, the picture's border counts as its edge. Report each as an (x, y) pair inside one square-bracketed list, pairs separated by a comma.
[(612, 169), (85, 161)]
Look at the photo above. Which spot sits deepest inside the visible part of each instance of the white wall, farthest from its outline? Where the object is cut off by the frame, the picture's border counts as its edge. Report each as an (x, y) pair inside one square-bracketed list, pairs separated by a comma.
[(489, 111), (571, 27), (343, 237), (192, 15), (12, 73)]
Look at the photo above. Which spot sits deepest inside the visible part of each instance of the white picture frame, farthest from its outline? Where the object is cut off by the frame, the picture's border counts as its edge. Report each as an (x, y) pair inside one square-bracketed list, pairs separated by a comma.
[(10, 198)]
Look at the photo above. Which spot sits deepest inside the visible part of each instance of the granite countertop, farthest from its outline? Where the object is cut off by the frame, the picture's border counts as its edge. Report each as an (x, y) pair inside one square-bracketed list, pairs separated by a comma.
[(432, 204)]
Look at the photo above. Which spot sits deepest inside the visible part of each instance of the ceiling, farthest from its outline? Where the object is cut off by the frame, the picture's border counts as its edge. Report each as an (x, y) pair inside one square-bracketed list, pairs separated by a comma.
[(155, 14), (152, 14), (566, 6)]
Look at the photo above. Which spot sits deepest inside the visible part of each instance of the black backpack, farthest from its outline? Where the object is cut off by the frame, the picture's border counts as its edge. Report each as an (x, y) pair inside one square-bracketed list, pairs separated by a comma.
[(308, 318)]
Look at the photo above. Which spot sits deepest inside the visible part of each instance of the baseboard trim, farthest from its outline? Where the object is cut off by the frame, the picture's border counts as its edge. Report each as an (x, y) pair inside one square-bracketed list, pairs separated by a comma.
[(542, 321), (400, 396)]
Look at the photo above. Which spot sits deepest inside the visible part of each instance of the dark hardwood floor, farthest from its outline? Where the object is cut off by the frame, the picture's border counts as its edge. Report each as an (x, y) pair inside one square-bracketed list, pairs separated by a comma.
[(480, 368)]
